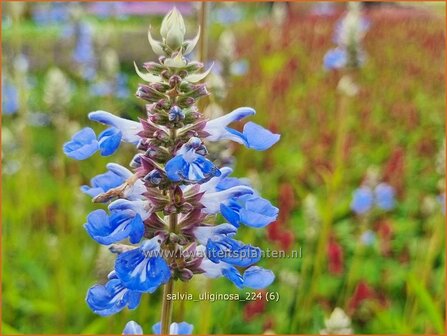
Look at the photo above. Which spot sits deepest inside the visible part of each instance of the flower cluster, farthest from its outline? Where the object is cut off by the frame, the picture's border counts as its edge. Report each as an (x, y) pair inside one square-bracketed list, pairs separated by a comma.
[(164, 205), (365, 198), (348, 36)]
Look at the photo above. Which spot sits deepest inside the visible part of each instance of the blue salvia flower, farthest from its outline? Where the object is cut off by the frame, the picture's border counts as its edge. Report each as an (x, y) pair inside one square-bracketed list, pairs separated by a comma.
[(10, 98), (237, 202), (50, 13), (348, 36), (365, 198), (119, 225), (252, 136), (181, 328), (190, 164), (143, 269), (112, 297), (160, 205), (84, 52), (132, 328), (82, 145), (116, 176), (385, 196)]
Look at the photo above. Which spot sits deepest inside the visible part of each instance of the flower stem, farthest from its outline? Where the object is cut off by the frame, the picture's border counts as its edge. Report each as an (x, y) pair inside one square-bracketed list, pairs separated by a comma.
[(166, 307)]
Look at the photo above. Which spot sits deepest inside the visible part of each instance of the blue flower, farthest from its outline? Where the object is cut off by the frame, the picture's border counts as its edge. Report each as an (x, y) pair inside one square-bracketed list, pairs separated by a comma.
[(109, 141), (252, 136), (10, 98), (140, 207), (239, 68), (335, 59), (143, 268), (363, 200), (251, 210), (204, 233), (190, 166), (132, 328), (84, 53), (384, 195), (212, 201), (181, 328), (114, 177), (220, 247), (82, 145), (254, 277), (112, 297), (120, 225), (233, 252), (128, 129)]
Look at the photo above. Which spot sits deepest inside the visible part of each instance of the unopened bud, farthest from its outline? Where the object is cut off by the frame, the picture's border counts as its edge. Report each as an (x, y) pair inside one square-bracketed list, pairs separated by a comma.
[(176, 114), (136, 161), (174, 80), (154, 177), (173, 30)]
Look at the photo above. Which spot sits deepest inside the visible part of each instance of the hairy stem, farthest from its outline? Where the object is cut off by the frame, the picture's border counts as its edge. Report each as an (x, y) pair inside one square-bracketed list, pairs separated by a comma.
[(166, 308)]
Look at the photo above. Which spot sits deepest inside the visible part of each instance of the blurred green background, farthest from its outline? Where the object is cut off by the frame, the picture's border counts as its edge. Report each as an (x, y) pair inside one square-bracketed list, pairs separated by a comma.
[(385, 270)]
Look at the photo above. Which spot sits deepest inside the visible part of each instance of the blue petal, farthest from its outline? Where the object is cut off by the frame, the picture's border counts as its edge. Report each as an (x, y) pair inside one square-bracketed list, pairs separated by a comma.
[(258, 212), (228, 183), (232, 252), (103, 183), (234, 276), (335, 59), (109, 141), (259, 138), (82, 145), (93, 192), (109, 299), (175, 328), (385, 196), (137, 229), (362, 200), (129, 129), (181, 328), (141, 271), (198, 170), (174, 166), (230, 214), (119, 226), (156, 328), (258, 278), (132, 328)]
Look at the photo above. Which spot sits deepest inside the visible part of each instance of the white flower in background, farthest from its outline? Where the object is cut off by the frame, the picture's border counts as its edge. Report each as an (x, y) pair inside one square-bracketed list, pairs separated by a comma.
[(57, 92), (337, 324)]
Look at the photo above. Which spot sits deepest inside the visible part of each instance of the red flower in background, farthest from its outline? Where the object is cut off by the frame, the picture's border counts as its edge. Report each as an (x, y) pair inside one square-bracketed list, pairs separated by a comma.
[(394, 170), (255, 307), (385, 232), (335, 257), (362, 292)]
